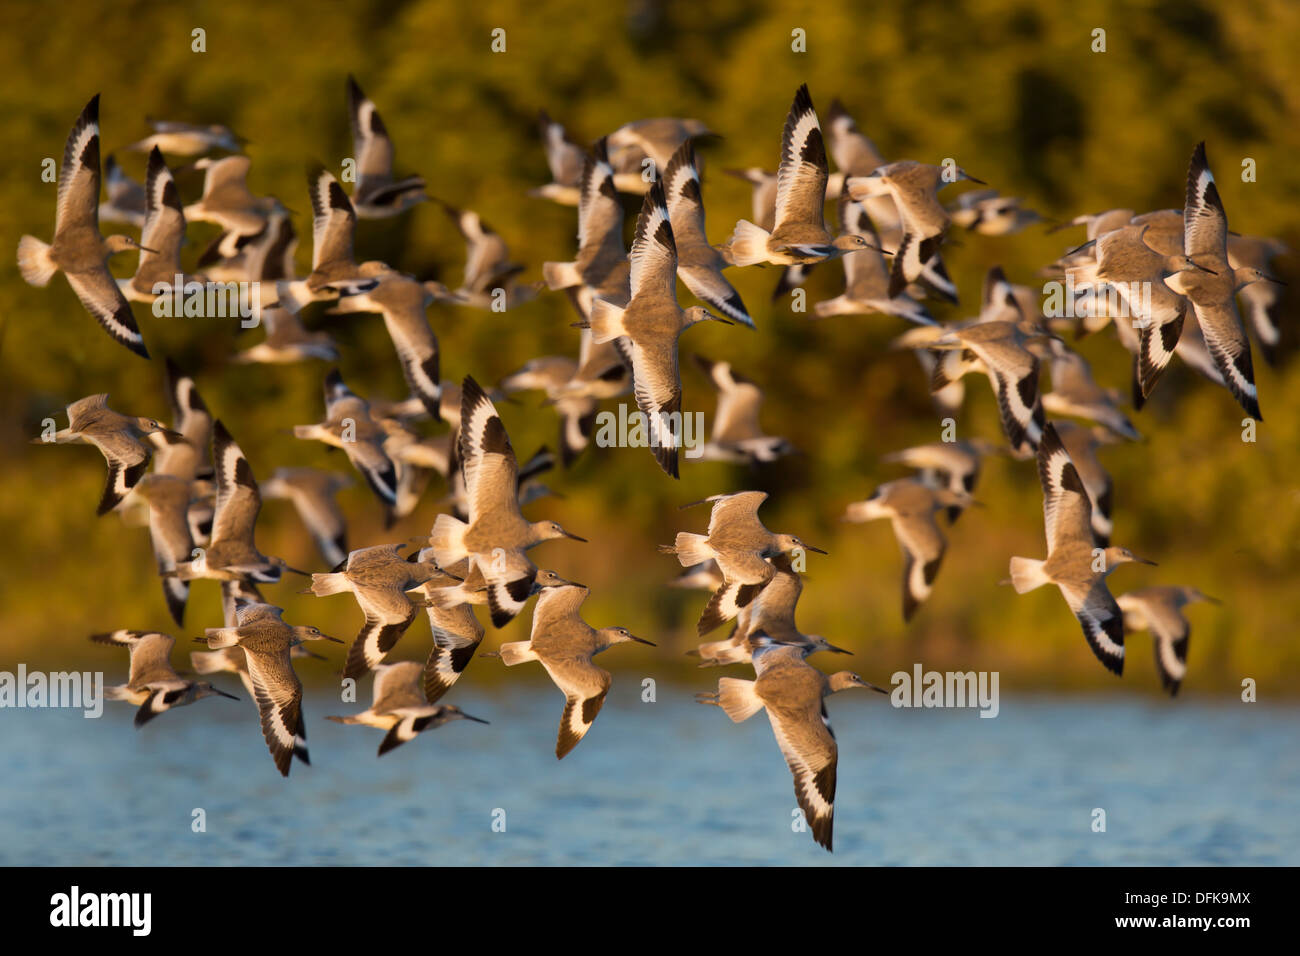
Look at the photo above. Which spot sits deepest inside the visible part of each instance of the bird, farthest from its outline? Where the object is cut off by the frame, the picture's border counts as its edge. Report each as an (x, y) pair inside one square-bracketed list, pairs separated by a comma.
[(601, 267), (1076, 393), (953, 465), (400, 708), (312, 491), (333, 264), (228, 202), (739, 542), (496, 535), (1074, 564), (770, 614), (1160, 611), (1261, 298), (866, 277), (1127, 263), (348, 425), (163, 233), (153, 684), (564, 157), (379, 578), (999, 349), (457, 634), (78, 250), (1212, 288), (799, 233), (168, 499), (266, 640), (655, 139), (565, 644), (188, 459), (793, 694), (987, 212), (699, 264), (914, 187), (188, 139), (401, 300), (118, 438), (232, 553), (910, 507), (489, 277), (646, 330), (287, 340), (1082, 444), (126, 197), (377, 195), (233, 660), (737, 435)]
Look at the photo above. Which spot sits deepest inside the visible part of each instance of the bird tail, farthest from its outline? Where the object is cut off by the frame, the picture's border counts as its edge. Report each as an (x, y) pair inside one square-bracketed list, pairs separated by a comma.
[(329, 583), (219, 637), (34, 261), (517, 652), (560, 275), (118, 692), (748, 244), (606, 321), (692, 549), (1027, 574), (448, 539), (737, 698), (342, 720), (840, 305)]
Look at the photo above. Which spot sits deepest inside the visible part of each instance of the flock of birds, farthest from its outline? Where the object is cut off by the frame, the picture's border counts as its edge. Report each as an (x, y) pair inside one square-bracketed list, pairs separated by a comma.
[(201, 500)]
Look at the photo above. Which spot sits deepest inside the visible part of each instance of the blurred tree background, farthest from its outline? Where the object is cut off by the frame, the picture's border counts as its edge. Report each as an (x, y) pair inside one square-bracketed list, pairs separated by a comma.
[(1012, 91)]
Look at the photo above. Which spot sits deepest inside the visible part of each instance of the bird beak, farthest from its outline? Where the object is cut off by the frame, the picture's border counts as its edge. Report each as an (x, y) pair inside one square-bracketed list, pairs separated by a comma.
[(837, 650), (972, 179), (224, 694), (809, 547), (1212, 600), (570, 534), (718, 318), (1202, 268), (642, 640), (326, 637), (477, 720), (1274, 279), (146, 249), (285, 567), (1145, 561)]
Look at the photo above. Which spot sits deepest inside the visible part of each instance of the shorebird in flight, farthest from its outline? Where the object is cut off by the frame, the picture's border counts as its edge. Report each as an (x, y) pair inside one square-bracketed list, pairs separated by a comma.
[(1074, 564), (793, 693), (377, 195), (78, 250), (565, 644), (400, 708), (153, 685)]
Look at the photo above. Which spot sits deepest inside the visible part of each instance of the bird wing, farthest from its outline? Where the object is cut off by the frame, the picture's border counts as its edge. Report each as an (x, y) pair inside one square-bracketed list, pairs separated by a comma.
[(801, 178)]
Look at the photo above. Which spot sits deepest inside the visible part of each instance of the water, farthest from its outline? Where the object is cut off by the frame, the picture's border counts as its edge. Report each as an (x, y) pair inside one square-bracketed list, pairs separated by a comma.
[(1182, 782)]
